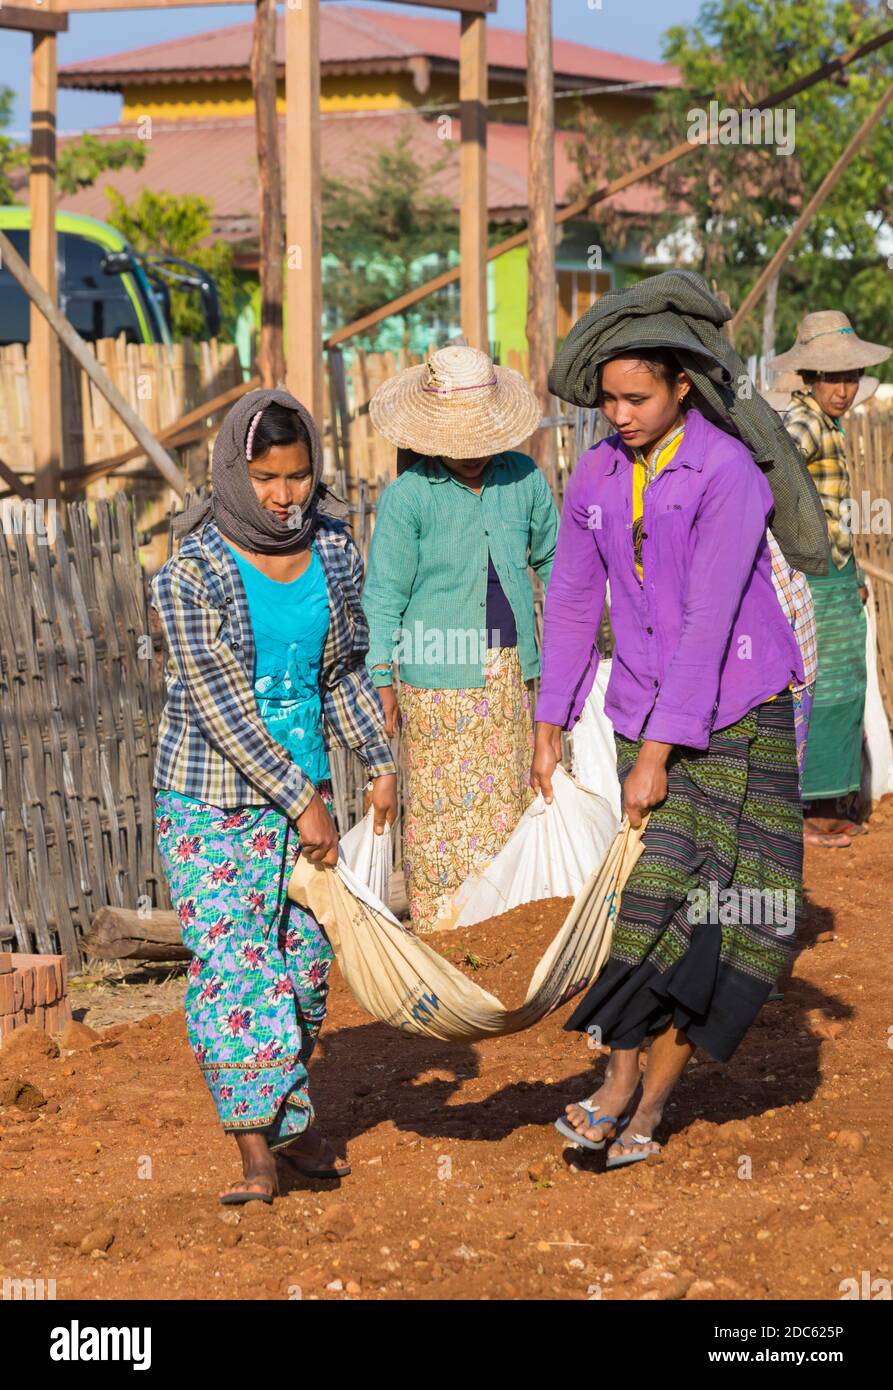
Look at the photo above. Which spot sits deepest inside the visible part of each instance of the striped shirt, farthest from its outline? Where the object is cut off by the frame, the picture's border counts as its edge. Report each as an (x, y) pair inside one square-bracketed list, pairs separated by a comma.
[(820, 439), (213, 744)]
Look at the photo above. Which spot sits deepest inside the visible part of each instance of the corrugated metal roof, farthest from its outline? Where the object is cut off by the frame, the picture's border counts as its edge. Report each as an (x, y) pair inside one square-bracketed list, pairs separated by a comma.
[(359, 36), (217, 159)]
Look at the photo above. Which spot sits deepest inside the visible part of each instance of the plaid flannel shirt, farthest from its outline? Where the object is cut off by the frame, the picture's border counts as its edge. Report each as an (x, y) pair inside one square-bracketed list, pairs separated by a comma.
[(212, 742), (820, 440), (795, 597)]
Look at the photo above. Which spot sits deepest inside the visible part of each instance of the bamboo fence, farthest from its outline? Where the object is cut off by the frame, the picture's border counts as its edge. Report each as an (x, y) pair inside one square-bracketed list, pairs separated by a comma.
[(869, 438), (161, 383), (81, 694)]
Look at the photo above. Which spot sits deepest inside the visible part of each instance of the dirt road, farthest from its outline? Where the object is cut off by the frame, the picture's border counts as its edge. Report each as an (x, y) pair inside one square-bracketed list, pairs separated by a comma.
[(775, 1181)]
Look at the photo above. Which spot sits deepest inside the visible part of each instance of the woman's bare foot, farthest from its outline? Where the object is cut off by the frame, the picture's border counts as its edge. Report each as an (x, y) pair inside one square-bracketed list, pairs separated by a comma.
[(824, 839), (259, 1167), (646, 1119), (827, 825), (611, 1098)]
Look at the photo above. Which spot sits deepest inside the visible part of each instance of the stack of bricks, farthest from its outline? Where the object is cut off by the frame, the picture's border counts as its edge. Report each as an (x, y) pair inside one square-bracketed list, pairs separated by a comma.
[(33, 989)]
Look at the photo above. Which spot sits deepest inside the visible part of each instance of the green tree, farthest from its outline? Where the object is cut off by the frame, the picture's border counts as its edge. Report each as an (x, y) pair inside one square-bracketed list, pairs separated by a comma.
[(13, 157), (384, 236), (80, 161), (178, 226), (743, 199)]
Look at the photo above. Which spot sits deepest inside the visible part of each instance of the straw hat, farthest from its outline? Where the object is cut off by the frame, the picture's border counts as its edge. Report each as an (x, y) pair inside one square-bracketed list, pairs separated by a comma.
[(786, 383), (827, 342), (456, 405)]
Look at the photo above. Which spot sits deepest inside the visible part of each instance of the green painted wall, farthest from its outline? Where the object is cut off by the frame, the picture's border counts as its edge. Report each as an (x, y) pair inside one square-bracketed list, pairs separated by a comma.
[(508, 302)]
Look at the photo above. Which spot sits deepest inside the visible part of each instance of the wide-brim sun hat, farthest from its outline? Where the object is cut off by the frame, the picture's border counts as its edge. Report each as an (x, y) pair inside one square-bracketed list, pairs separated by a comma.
[(828, 342), (456, 405), (780, 397)]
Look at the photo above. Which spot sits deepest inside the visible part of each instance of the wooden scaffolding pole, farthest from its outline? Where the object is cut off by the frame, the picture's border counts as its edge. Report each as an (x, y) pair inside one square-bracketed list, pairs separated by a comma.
[(473, 158), (833, 176), (541, 303), (303, 191), (43, 356), (271, 358)]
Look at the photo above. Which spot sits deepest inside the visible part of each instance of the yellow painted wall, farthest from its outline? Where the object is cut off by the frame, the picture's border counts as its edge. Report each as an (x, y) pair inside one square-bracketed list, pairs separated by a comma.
[(189, 101)]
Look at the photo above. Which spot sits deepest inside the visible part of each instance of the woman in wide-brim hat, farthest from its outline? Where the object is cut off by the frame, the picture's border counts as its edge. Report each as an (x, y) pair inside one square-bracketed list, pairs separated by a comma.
[(449, 601), (831, 360)]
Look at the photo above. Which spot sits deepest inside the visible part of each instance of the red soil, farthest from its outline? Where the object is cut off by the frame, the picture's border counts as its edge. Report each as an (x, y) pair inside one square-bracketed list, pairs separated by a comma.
[(775, 1179)]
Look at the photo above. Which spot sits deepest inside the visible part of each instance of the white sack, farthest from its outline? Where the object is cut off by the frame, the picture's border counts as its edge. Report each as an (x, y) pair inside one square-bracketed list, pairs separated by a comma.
[(550, 854)]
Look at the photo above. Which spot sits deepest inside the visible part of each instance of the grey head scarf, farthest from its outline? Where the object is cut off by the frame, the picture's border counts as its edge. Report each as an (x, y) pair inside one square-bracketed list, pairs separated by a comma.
[(233, 504)]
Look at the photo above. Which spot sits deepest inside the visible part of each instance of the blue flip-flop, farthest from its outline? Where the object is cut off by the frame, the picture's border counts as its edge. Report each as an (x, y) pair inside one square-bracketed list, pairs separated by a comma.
[(623, 1160), (567, 1131)]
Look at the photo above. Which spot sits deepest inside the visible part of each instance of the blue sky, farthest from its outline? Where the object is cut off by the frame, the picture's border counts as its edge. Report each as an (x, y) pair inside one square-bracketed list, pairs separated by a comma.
[(607, 24)]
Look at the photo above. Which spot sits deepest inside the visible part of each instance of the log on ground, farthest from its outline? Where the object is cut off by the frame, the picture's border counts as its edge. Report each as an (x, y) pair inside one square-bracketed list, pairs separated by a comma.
[(120, 933)]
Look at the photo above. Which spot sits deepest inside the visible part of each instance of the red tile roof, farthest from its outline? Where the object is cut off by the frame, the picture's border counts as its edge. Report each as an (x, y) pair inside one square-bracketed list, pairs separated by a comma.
[(216, 159), (357, 36)]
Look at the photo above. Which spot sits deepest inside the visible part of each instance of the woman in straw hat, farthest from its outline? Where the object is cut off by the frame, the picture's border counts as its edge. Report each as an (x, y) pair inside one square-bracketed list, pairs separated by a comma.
[(671, 511), (450, 603), (831, 359), (266, 640)]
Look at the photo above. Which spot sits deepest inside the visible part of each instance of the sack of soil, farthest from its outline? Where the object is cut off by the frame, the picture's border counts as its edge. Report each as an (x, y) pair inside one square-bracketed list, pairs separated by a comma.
[(549, 854), (401, 981)]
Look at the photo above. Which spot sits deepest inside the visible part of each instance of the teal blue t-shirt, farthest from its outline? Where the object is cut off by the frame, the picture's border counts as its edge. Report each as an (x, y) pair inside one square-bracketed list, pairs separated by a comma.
[(290, 624)]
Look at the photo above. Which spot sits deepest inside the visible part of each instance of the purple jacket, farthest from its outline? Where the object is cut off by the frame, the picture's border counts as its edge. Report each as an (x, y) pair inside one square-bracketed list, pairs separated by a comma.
[(703, 639)]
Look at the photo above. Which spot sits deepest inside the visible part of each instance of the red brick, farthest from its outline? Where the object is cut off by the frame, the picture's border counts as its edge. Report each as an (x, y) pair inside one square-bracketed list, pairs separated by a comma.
[(28, 982), (57, 977), (64, 1007), (39, 1018), (5, 962), (18, 987), (63, 966), (51, 983), (7, 1024), (7, 994)]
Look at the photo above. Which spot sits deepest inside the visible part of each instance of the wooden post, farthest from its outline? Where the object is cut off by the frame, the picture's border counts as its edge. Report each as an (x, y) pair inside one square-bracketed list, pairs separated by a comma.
[(541, 299), (769, 309), (271, 362), (303, 210), (473, 159), (43, 356), (834, 174)]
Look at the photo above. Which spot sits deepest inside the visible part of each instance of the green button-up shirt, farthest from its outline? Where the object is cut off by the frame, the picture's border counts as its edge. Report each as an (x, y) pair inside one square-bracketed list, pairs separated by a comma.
[(425, 595)]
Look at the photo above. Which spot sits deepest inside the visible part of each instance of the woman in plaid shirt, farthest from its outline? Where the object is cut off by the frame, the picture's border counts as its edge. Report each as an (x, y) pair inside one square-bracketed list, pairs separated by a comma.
[(830, 359), (266, 642)]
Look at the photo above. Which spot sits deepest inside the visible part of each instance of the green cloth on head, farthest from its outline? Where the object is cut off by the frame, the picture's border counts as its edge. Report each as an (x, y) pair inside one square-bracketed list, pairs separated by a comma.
[(676, 310), (834, 746)]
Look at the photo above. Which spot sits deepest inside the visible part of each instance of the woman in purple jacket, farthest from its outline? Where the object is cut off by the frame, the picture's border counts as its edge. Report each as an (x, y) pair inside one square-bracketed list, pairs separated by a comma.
[(672, 512)]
